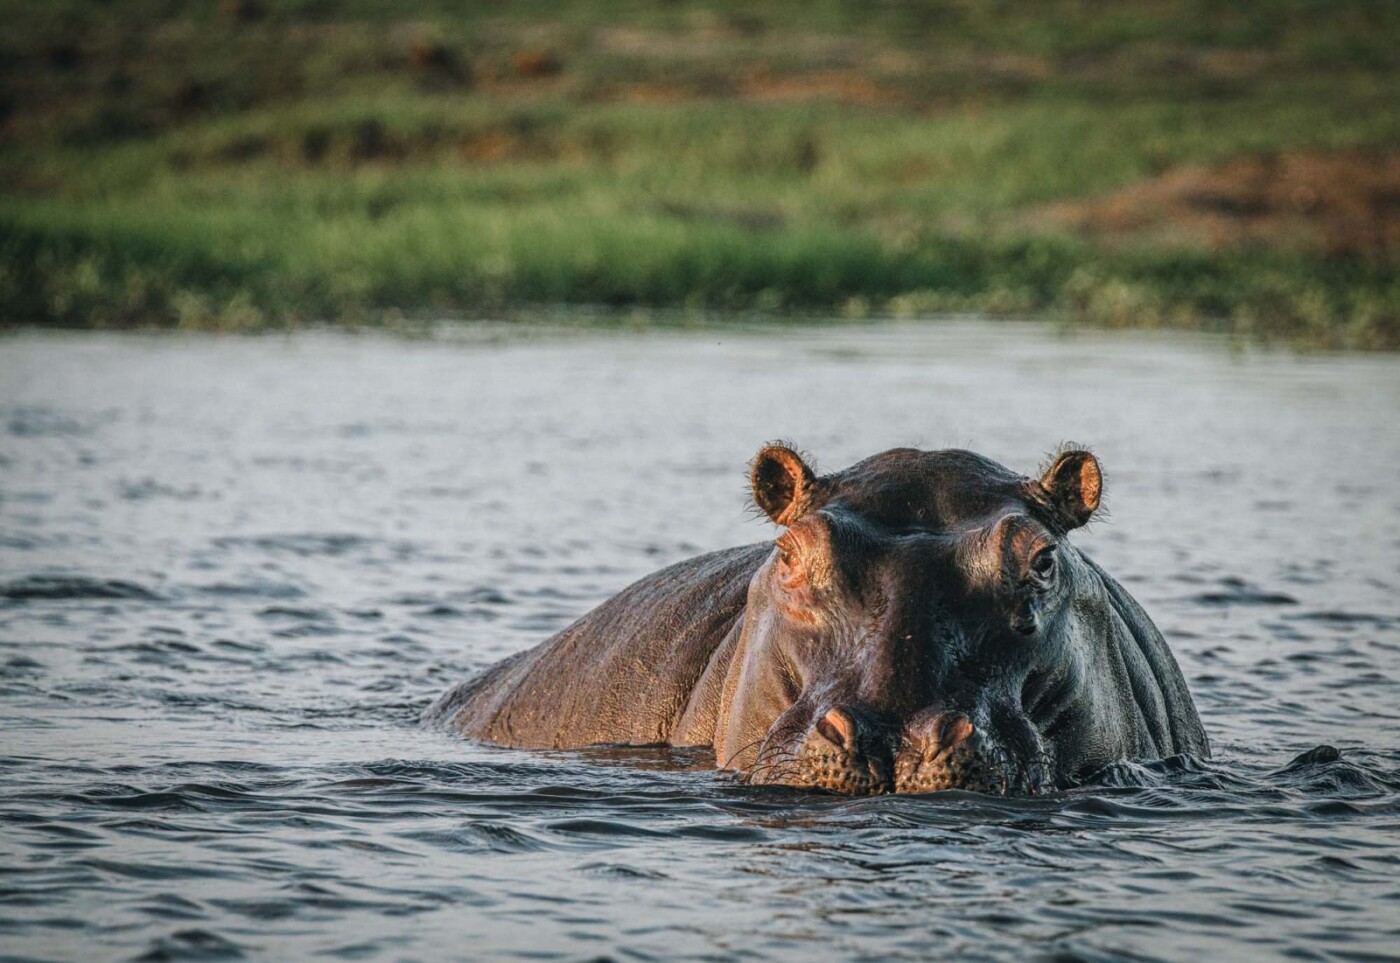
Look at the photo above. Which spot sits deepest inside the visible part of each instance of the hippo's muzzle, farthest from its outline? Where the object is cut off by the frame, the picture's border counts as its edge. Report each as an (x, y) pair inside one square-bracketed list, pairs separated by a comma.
[(849, 752)]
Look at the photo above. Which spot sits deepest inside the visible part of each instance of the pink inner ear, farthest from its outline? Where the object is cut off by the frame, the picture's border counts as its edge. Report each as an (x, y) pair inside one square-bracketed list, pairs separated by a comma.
[(1073, 486), (780, 483), (1090, 482)]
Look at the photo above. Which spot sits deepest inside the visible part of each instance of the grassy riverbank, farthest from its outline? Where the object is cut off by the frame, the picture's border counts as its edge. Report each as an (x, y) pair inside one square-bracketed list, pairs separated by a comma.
[(250, 164)]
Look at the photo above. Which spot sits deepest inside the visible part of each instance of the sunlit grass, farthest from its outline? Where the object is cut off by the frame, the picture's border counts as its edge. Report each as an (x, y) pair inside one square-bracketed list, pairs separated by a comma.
[(368, 197)]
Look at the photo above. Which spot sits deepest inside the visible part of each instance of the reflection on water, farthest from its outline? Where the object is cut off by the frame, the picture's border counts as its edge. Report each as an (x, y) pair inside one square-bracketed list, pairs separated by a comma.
[(232, 572)]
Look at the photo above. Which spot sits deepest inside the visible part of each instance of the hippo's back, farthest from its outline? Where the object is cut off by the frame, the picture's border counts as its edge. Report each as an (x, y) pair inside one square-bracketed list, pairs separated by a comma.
[(623, 673)]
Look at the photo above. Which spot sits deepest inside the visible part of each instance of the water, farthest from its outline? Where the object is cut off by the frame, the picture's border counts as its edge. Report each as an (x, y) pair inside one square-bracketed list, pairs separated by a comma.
[(233, 571)]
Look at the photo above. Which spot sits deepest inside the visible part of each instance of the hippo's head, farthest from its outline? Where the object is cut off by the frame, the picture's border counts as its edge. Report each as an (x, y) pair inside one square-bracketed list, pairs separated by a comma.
[(924, 623)]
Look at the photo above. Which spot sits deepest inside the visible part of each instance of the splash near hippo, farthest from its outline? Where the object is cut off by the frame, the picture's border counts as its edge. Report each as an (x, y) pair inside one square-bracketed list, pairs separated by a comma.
[(922, 622)]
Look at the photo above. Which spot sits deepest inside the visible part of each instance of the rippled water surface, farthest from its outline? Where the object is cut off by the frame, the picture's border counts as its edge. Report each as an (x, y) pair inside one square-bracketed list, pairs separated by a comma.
[(233, 572)]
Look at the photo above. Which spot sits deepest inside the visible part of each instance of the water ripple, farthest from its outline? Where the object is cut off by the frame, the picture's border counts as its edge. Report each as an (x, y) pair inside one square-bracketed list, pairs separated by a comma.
[(235, 570)]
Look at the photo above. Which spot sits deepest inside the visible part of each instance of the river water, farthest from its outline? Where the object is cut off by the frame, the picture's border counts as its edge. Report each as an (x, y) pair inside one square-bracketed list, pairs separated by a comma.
[(234, 571)]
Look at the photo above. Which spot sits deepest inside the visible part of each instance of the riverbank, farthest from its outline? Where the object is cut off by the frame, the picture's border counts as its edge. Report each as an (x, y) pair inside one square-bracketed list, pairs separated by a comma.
[(254, 165)]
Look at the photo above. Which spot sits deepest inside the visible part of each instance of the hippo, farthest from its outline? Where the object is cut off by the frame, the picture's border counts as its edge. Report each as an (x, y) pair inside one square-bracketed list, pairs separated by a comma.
[(921, 622)]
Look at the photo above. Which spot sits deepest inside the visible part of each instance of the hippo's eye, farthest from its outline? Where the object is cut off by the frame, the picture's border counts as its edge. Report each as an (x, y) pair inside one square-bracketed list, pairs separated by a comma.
[(1043, 565)]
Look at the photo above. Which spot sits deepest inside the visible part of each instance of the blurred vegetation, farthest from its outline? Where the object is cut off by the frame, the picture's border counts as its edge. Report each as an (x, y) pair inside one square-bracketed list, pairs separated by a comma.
[(253, 163)]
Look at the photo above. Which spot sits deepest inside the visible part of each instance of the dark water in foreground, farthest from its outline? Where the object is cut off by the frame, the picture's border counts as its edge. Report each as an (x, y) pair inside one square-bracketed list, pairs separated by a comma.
[(232, 572)]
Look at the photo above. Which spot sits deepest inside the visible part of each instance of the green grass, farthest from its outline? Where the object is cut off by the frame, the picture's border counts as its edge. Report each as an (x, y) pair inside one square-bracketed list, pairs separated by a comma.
[(166, 164)]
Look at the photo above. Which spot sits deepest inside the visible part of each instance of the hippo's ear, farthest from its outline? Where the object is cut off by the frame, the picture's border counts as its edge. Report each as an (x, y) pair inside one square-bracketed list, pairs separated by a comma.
[(1071, 488), (782, 483)]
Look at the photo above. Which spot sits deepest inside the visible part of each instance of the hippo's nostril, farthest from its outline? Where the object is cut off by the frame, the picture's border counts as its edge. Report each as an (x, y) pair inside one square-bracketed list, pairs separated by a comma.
[(838, 728), (955, 728)]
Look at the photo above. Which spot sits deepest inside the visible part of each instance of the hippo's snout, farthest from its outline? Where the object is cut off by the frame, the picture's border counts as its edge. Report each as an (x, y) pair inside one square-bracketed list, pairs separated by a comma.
[(944, 750), (840, 751), (846, 751)]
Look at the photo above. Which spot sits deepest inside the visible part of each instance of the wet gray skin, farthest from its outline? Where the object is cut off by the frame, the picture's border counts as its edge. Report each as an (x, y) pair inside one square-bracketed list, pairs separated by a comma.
[(921, 622)]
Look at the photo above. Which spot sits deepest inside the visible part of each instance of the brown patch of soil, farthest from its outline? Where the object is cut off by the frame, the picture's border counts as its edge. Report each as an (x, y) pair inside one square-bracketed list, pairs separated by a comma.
[(437, 66), (834, 86), (762, 86), (1338, 202), (533, 64), (499, 146), (648, 94)]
